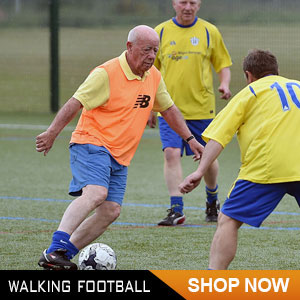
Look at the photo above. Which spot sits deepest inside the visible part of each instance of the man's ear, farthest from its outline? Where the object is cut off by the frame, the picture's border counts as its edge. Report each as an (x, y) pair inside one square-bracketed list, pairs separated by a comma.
[(249, 77), (129, 46)]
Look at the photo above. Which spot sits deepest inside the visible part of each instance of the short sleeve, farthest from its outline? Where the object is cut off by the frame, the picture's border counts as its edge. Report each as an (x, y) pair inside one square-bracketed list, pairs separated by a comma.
[(220, 58), (228, 121), (94, 91), (163, 100)]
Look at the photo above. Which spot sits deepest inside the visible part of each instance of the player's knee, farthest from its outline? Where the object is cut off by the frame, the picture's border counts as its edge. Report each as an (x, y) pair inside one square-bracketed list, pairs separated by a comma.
[(115, 211), (111, 210), (225, 221), (96, 195), (172, 155)]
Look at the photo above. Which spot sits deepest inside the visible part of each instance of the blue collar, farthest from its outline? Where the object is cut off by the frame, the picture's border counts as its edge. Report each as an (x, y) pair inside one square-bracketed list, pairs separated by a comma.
[(184, 26)]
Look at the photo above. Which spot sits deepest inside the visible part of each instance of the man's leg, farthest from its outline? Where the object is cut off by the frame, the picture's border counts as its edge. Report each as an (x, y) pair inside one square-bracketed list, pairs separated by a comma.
[(211, 175), (107, 211), (212, 202), (92, 197), (171, 145), (224, 244), (173, 170), (108, 207), (173, 177), (249, 202), (96, 224), (61, 250)]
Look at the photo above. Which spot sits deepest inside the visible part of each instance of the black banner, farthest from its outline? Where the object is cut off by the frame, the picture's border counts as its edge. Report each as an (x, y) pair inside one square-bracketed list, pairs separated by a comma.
[(106, 284)]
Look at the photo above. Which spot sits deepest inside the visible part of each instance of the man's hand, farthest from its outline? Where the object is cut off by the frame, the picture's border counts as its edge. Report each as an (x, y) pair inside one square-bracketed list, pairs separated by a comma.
[(44, 142), (211, 151), (225, 92), (152, 120), (190, 182), (197, 149)]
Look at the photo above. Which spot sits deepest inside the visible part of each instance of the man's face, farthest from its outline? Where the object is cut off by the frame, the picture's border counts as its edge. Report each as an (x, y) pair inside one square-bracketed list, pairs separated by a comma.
[(142, 54), (186, 10)]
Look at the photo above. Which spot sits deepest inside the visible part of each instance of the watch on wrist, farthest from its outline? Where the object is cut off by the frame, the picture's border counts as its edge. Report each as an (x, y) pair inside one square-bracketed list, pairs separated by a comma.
[(189, 138)]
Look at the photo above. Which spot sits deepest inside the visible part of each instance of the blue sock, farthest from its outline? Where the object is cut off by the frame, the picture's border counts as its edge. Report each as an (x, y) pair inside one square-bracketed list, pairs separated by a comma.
[(61, 240), (211, 195), (177, 203)]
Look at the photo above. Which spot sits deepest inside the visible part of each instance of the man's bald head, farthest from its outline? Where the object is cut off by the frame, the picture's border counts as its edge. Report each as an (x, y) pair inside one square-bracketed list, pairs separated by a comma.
[(142, 32)]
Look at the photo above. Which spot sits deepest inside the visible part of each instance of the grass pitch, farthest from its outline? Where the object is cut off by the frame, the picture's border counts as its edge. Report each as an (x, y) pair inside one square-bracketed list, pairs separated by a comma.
[(34, 196), (33, 189), (24, 59)]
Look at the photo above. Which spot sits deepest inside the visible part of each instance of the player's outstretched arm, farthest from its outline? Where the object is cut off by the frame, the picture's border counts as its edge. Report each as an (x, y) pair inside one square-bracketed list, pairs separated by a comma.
[(45, 140), (211, 151)]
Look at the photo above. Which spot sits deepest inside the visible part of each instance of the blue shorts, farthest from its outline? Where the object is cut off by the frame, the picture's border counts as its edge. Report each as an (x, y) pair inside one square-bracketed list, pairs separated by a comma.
[(169, 138), (252, 203), (94, 165)]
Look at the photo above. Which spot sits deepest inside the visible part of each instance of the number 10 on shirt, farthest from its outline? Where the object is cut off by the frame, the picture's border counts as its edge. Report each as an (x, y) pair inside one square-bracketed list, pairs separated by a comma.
[(282, 94)]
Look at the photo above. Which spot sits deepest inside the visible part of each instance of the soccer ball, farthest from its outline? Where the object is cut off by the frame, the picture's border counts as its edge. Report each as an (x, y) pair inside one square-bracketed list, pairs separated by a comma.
[(97, 256)]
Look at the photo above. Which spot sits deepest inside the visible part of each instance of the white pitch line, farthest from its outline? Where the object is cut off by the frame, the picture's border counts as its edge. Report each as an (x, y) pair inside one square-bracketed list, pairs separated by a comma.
[(30, 127), (148, 131)]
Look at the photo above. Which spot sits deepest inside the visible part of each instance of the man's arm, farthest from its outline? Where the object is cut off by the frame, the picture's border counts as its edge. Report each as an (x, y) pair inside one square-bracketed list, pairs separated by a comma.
[(45, 140), (152, 120), (176, 121), (211, 151), (224, 78)]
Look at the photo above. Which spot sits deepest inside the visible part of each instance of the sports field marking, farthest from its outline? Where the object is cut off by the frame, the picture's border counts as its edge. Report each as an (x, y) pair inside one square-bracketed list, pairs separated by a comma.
[(148, 131), (128, 204), (132, 224), (30, 127), (143, 225), (29, 219)]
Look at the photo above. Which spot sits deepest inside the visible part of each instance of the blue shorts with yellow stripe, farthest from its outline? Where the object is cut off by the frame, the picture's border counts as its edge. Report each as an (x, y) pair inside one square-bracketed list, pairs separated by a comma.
[(252, 203)]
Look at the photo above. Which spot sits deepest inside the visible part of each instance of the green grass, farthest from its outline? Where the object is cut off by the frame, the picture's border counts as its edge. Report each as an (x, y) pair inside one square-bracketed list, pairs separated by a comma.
[(27, 174), (24, 85), (24, 59)]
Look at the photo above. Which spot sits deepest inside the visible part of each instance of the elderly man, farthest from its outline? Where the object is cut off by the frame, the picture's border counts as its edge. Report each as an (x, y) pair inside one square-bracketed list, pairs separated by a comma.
[(190, 48), (117, 98)]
